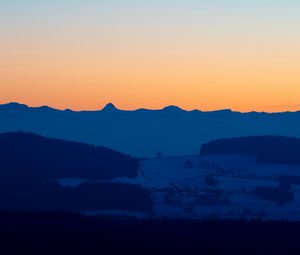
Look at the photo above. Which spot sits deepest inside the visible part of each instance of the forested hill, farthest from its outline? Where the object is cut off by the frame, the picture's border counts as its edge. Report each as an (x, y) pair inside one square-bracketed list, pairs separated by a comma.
[(25, 154), (30, 165), (268, 149)]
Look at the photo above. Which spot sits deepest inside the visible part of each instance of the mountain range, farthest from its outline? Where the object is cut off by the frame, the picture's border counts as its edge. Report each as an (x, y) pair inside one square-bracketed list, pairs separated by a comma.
[(144, 132)]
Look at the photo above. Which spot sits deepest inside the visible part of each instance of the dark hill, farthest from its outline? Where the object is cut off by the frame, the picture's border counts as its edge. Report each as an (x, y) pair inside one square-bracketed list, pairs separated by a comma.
[(268, 149), (29, 165), (34, 196), (29, 155)]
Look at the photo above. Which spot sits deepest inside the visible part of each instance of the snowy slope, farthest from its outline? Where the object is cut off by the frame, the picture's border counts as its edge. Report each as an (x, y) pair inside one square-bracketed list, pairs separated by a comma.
[(179, 190)]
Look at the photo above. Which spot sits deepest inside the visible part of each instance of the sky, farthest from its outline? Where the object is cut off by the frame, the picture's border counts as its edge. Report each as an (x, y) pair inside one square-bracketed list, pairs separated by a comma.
[(196, 54)]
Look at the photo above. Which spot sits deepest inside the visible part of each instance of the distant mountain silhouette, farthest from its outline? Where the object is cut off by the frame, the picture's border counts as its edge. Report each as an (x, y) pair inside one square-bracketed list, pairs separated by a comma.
[(268, 149), (110, 107), (24, 154), (143, 132)]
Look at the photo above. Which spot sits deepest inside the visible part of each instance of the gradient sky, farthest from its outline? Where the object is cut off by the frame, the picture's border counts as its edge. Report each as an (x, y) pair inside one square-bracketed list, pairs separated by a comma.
[(205, 54)]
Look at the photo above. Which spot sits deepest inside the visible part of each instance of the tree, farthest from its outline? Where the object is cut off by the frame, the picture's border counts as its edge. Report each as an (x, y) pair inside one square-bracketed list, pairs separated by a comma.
[(188, 164), (211, 181), (159, 154)]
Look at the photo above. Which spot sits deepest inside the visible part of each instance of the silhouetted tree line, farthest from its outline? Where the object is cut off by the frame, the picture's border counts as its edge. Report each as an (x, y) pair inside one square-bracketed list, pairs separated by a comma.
[(268, 149), (86, 197), (280, 195), (25, 153), (30, 163), (67, 233), (289, 179)]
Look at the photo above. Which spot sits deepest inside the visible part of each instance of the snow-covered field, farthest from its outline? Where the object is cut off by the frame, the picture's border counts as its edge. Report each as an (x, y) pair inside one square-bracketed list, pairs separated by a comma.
[(179, 188)]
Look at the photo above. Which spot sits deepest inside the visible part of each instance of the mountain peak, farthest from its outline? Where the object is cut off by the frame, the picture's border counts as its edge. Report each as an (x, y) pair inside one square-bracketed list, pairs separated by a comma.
[(172, 108), (109, 107), (14, 106)]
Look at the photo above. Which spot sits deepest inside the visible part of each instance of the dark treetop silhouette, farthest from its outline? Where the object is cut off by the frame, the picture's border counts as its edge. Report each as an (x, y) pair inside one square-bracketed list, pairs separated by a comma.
[(53, 158), (268, 149), (30, 165)]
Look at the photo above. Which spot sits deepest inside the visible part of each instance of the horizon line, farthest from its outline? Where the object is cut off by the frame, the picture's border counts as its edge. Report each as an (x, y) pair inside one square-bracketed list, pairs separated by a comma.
[(112, 106)]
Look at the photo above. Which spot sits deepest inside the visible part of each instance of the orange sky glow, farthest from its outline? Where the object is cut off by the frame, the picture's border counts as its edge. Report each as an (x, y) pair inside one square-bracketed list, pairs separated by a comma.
[(209, 58)]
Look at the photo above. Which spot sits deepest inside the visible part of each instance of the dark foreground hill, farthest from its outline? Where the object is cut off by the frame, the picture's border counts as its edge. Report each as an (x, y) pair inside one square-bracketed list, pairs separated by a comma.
[(23, 154), (65, 233), (268, 149), (30, 165), (87, 197)]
